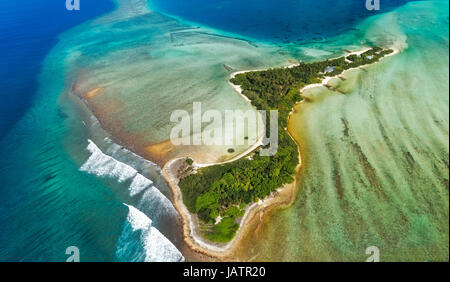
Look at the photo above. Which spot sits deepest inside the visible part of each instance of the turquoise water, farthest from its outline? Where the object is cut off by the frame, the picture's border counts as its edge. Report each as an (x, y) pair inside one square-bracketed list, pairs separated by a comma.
[(66, 182), (282, 21), (27, 38), (375, 159), (155, 59), (50, 202)]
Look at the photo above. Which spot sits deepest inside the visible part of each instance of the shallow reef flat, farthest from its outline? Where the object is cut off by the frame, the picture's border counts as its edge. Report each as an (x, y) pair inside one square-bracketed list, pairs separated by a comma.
[(375, 159)]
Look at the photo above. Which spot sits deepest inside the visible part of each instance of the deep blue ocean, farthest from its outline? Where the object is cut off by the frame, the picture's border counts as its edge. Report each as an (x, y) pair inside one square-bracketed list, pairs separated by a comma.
[(281, 21), (49, 203), (33, 229), (46, 202), (28, 30)]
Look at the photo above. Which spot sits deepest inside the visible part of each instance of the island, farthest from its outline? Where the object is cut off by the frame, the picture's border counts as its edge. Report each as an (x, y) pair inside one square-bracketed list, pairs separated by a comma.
[(219, 197)]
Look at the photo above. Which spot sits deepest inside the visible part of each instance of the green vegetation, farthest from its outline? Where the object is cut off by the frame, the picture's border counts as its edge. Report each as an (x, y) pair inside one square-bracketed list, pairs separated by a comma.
[(221, 189), (224, 231)]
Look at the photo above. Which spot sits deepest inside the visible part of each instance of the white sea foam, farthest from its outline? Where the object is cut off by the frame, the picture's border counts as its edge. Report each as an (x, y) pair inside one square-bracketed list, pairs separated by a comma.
[(104, 165), (140, 240), (137, 219), (139, 184), (153, 202), (153, 247)]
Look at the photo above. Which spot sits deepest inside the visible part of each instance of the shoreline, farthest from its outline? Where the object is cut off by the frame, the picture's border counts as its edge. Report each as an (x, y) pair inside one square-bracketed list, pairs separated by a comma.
[(253, 148), (280, 198), (276, 199), (191, 235), (326, 79)]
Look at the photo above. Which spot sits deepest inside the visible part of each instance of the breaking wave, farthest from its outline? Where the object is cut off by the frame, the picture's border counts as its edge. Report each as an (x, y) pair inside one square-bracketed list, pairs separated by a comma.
[(103, 165), (140, 240)]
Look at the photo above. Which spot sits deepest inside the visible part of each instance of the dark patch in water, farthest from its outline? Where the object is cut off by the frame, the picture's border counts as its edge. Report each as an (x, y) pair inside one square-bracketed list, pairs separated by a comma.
[(346, 129)]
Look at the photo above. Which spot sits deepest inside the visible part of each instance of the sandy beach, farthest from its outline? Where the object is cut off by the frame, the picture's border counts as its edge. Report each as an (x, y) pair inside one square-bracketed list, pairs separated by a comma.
[(328, 78), (254, 147)]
